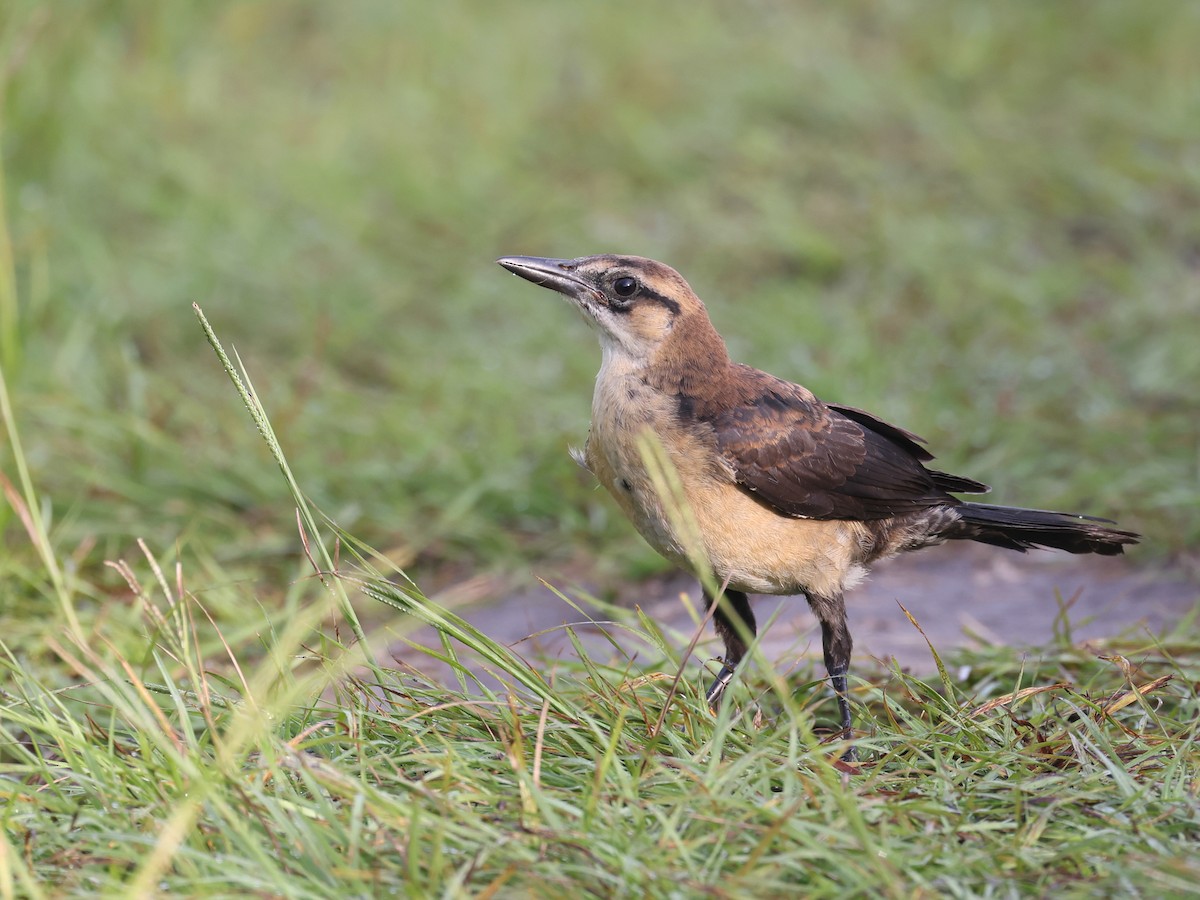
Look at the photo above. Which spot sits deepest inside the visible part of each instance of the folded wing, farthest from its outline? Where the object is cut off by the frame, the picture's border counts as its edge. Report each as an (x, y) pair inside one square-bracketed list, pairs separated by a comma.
[(813, 460)]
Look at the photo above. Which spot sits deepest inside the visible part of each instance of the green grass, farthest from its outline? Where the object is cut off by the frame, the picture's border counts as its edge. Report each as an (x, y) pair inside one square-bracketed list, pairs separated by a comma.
[(181, 768), (979, 222)]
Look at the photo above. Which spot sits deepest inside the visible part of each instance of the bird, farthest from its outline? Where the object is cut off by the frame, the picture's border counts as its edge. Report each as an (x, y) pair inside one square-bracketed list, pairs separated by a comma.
[(789, 495)]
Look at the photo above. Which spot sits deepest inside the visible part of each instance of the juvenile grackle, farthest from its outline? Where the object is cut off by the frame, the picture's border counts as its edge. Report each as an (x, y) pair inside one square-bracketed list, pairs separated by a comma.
[(790, 495)]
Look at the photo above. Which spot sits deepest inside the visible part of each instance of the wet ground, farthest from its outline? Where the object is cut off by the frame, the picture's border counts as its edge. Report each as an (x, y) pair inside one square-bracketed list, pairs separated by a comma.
[(960, 595)]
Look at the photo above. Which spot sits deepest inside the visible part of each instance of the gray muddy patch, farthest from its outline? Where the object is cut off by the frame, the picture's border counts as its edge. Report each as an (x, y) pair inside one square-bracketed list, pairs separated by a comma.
[(960, 595)]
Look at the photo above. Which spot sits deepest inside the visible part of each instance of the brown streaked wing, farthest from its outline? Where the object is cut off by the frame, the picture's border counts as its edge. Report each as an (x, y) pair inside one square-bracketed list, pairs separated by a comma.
[(807, 459)]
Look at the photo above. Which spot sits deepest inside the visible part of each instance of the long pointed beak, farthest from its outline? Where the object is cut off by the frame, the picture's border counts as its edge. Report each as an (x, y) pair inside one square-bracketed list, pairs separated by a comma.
[(556, 274)]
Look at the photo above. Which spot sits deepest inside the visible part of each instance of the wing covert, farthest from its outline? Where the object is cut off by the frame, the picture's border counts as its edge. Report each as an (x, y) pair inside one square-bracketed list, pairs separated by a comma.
[(807, 459)]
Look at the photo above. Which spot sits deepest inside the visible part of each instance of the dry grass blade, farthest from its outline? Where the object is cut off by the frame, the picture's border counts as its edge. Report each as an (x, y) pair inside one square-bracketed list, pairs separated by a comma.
[(1015, 697), (937, 659), (1122, 700), (687, 654)]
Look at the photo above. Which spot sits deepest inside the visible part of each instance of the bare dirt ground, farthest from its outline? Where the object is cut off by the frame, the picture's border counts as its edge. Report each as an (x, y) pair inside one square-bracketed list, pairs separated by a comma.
[(960, 595)]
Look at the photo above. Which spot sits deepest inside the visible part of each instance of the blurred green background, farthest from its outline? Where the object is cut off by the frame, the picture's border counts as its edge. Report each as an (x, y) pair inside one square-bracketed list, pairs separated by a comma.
[(981, 222)]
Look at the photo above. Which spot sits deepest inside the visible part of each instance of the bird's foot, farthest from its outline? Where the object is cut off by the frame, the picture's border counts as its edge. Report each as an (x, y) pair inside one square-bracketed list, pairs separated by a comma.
[(851, 754), (717, 690)]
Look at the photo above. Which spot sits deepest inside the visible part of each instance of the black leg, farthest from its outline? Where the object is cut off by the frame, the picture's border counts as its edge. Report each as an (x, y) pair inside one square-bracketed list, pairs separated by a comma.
[(734, 607), (836, 642)]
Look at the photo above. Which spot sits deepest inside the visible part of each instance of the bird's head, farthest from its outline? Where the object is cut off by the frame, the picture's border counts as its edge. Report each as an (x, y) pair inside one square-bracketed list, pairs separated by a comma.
[(636, 304)]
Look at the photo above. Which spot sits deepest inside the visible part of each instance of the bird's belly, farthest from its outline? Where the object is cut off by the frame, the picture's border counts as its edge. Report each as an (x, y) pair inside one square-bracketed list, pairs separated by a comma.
[(744, 542), (760, 551)]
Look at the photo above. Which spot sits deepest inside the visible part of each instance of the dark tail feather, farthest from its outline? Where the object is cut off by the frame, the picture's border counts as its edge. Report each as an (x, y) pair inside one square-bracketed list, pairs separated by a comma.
[(1021, 529), (957, 484)]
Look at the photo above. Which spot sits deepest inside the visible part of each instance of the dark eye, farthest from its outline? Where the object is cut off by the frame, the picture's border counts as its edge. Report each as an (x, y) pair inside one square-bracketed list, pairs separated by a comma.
[(625, 287)]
